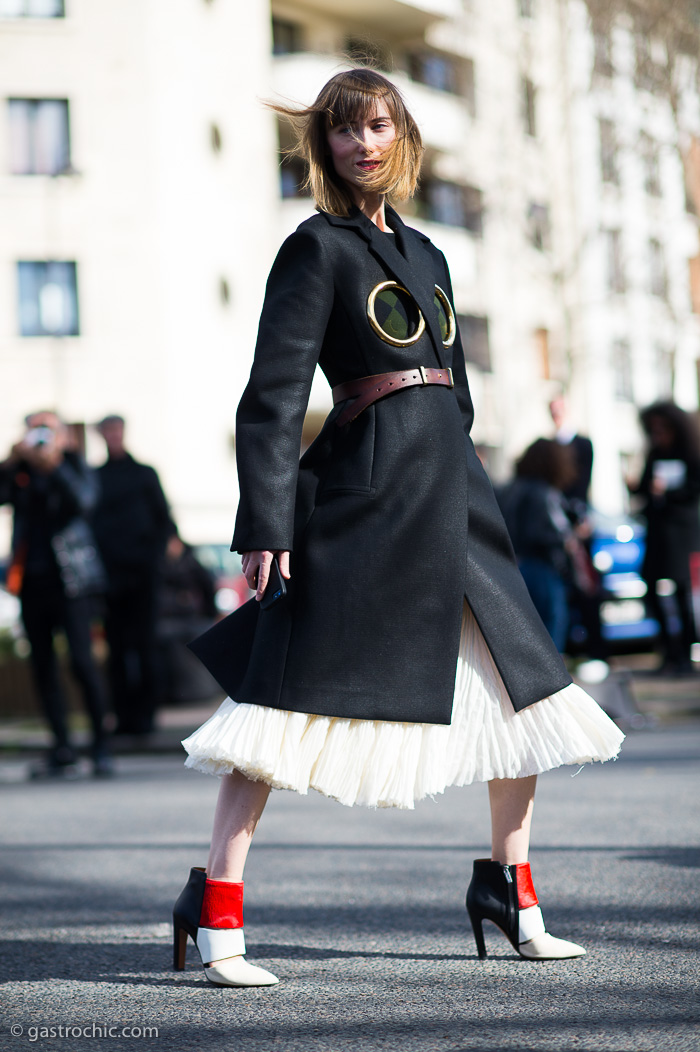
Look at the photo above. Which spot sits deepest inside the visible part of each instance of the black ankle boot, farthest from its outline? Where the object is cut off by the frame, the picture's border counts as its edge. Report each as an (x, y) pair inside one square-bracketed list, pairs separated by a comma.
[(211, 913), (186, 913), (505, 895)]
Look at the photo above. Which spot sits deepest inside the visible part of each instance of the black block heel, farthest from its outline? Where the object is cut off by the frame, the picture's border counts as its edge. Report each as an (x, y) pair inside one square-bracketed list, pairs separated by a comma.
[(186, 913), (179, 947)]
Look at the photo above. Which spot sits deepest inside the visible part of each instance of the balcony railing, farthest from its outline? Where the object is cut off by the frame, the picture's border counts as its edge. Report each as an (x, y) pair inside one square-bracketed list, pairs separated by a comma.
[(402, 17)]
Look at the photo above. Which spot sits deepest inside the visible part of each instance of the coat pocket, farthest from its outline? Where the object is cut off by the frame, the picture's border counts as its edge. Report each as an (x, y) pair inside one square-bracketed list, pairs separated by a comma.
[(351, 463)]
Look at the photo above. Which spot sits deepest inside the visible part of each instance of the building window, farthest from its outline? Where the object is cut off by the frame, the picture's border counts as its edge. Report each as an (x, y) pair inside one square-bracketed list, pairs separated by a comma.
[(608, 152), (469, 85), (453, 205), (542, 345), (48, 299), (287, 37), (602, 53), (474, 331), (215, 139), (694, 272), (622, 369), (527, 100), (39, 136), (650, 159), (665, 368), (444, 73), (658, 282), (649, 71), (616, 269), (527, 8), (292, 177), (31, 9), (538, 226), (366, 51)]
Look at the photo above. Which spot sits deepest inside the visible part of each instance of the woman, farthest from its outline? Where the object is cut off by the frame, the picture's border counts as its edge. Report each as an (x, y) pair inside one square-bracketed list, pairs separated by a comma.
[(347, 684), (670, 486), (534, 510)]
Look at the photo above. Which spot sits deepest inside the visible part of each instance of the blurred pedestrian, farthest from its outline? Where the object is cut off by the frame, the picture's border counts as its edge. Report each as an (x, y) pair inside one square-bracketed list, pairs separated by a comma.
[(577, 490), (585, 590), (535, 512), (56, 572), (132, 526), (392, 648), (186, 608), (670, 488)]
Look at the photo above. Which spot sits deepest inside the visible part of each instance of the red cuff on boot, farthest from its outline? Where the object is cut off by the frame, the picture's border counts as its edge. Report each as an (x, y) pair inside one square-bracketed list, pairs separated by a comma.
[(526, 891), (223, 905)]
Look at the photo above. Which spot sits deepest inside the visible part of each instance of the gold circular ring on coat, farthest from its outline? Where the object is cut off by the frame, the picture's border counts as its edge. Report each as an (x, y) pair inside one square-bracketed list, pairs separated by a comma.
[(371, 314), (450, 316)]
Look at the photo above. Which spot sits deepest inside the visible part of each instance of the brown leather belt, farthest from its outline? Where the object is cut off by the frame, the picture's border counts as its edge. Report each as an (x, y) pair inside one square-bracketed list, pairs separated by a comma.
[(369, 389)]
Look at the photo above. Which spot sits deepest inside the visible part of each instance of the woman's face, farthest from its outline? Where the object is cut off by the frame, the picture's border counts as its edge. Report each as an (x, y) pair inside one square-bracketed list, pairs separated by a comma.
[(356, 150)]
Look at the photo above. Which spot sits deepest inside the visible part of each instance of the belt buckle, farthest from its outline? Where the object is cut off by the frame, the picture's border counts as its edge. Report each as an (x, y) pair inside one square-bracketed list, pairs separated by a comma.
[(424, 374), (452, 379)]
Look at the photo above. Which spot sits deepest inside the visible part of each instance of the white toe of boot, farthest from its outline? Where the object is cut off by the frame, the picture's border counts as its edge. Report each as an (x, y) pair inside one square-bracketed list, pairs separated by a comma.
[(235, 971), (545, 947)]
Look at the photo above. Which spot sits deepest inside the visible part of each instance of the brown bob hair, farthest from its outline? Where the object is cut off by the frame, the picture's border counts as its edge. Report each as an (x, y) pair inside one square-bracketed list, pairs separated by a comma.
[(347, 98), (547, 461)]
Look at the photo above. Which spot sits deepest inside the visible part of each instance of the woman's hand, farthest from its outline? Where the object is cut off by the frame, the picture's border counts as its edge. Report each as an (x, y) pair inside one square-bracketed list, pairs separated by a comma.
[(256, 568)]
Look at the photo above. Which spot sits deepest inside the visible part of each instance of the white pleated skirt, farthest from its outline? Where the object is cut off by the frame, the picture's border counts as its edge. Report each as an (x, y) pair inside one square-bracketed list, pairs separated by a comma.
[(382, 764)]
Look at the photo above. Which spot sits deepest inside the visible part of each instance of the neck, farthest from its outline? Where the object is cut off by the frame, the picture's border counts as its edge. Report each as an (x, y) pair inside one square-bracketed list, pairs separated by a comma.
[(372, 205)]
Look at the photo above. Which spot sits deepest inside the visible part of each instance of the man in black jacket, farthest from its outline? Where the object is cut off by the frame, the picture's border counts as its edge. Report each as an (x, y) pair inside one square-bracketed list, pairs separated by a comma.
[(132, 526), (56, 572)]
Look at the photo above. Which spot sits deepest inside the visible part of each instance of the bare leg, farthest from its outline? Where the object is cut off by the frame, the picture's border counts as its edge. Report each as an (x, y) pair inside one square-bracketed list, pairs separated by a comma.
[(239, 807), (512, 801)]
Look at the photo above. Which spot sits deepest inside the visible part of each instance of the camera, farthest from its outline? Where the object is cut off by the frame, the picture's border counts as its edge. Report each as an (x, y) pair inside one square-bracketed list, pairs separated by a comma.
[(39, 436)]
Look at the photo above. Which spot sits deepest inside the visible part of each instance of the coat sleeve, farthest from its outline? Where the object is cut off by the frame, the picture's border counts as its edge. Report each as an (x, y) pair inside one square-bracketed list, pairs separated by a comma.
[(459, 370), (270, 415), (163, 521)]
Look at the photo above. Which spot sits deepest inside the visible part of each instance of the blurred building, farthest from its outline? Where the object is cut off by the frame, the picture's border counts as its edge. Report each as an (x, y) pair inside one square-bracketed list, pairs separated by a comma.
[(142, 201), (138, 218)]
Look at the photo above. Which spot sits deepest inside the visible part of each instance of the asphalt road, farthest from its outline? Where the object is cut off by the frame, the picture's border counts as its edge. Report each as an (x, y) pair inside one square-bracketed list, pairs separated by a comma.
[(361, 914)]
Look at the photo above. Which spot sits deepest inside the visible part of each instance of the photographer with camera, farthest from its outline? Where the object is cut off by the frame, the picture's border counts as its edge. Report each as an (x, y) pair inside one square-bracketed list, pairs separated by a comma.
[(56, 571)]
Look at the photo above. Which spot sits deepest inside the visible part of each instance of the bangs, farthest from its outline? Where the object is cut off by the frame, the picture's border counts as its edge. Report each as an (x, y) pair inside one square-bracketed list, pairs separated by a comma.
[(354, 99)]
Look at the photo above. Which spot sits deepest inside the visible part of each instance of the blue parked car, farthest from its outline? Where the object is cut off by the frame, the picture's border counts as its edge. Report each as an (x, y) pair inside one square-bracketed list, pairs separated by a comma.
[(617, 549)]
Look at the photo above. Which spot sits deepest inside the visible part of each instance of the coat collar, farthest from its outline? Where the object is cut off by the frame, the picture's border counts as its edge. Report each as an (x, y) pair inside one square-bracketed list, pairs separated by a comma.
[(405, 260)]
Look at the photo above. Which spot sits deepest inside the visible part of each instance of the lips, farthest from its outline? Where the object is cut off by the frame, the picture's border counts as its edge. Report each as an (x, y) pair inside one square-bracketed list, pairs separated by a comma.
[(367, 166)]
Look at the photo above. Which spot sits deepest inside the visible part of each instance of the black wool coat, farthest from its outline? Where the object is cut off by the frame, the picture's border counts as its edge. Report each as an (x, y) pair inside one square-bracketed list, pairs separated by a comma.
[(391, 518)]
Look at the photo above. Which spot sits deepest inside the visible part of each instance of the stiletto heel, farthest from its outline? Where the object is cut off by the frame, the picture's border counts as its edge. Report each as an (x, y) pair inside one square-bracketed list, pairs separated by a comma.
[(505, 895), (211, 913), (478, 929)]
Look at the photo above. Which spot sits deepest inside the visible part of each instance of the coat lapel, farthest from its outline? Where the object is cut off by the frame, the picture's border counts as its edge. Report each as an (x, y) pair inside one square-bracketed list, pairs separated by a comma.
[(408, 266)]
